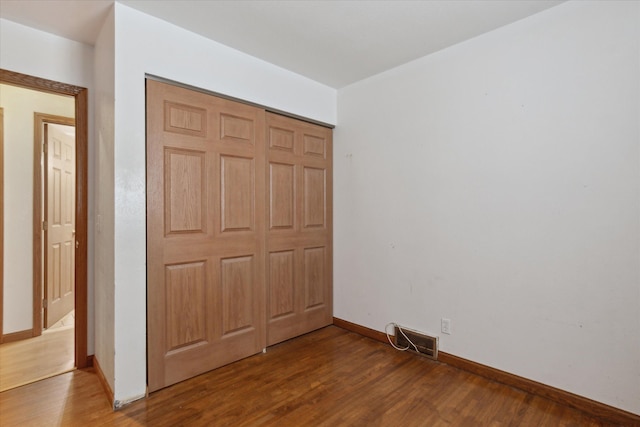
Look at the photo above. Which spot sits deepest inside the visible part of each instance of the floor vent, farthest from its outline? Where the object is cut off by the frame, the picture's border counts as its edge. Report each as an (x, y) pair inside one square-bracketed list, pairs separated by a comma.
[(427, 346)]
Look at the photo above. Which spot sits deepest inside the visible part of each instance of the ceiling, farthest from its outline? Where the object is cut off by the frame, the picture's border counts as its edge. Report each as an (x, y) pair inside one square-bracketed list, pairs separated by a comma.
[(333, 42)]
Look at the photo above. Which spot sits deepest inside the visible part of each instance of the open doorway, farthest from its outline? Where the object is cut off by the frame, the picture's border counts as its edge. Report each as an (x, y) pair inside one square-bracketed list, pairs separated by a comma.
[(65, 308)]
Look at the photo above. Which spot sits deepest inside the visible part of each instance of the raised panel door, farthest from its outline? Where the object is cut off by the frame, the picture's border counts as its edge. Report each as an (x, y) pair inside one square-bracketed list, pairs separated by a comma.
[(59, 258), (299, 237), (205, 232)]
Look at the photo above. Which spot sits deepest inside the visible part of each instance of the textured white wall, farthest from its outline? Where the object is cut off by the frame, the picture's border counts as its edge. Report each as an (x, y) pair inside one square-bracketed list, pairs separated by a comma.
[(104, 168), (144, 44), (19, 105), (37, 53), (497, 183)]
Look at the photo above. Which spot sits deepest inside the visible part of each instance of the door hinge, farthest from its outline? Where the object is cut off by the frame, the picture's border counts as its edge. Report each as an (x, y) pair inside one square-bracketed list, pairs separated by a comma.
[(44, 147), (44, 303), (44, 225)]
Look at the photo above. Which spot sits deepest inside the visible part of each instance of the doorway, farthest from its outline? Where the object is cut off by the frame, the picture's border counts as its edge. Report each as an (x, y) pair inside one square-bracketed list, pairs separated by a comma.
[(79, 244), (46, 349)]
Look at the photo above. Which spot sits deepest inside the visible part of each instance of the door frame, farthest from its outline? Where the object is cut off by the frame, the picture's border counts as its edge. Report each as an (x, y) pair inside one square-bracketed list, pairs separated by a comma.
[(1, 217), (39, 207), (80, 95)]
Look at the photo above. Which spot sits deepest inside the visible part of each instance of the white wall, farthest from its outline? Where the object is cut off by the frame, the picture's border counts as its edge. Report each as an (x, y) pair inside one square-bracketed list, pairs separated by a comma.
[(36, 53), (19, 106), (104, 66), (144, 44), (497, 183)]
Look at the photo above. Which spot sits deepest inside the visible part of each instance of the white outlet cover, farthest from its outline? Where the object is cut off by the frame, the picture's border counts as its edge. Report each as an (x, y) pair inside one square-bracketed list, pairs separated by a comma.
[(445, 326)]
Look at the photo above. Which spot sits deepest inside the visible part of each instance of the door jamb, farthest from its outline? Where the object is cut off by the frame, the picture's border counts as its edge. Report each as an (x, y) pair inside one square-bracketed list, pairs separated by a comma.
[(82, 132), (1, 216)]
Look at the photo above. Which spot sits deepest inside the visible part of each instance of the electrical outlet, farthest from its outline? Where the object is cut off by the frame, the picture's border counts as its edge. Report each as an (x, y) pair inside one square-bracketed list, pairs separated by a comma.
[(445, 326)]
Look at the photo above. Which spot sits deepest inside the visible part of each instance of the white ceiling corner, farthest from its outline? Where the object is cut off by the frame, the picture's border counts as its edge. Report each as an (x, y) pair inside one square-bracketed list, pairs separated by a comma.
[(333, 42)]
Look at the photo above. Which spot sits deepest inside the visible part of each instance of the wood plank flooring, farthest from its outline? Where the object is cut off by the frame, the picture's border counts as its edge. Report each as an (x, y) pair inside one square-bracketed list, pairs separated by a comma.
[(23, 362), (330, 377)]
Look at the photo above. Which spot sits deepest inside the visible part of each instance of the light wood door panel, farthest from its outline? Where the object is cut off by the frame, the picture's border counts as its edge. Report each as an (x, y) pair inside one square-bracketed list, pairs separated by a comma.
[(59, 261), (314, 280), (184, 177), (238, 193), (299, 241), (237, 278), (281, 284), (282, 201), (205, 232), (314, 197), (281, 139), (186, 304), (314, 145)]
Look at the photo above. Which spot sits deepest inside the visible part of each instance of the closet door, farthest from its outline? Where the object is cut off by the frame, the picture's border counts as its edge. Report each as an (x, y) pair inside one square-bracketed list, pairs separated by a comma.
[(205, 232), (299, 221)]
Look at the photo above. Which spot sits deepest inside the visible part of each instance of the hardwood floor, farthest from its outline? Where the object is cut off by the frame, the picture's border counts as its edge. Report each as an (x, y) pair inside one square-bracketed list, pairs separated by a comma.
[(23, 362), (330, 377)]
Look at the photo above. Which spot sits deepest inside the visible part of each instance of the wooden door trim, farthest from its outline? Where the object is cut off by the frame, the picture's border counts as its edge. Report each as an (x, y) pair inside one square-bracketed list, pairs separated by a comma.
[(82, 134), (39, 270), (1, 218)]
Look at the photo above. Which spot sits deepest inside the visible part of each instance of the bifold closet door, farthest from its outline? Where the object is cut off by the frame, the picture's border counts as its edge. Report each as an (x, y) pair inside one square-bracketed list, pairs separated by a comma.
[(205, 232), (299, 221)]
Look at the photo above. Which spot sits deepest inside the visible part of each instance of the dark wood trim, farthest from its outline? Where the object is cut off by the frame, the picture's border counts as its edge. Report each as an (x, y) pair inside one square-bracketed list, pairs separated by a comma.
[(105, 385), (82, 215), (90, 361), (82, 143), (362, 330), (596, 409), (17, 336), (1, 218), (43, 85), (40, 276)]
